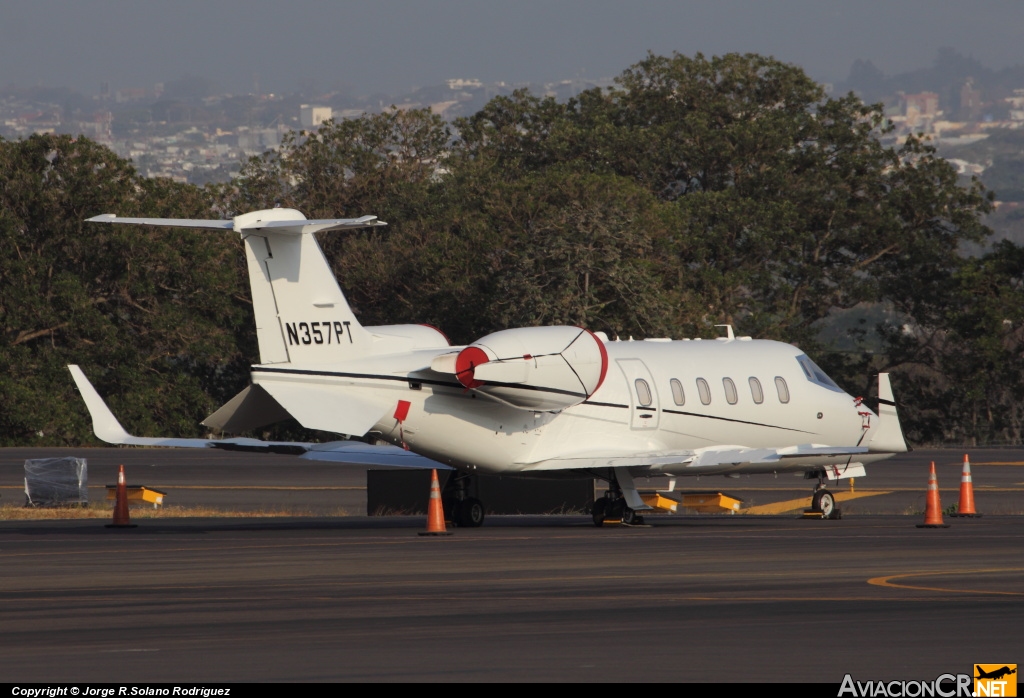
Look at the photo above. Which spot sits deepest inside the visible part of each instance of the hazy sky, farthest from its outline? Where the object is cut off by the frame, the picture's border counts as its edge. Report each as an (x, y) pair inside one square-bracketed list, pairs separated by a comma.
[(393, 45)]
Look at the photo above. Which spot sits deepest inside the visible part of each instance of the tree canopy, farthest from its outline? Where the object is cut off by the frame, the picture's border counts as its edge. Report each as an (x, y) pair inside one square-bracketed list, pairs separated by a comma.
[(696, 191)]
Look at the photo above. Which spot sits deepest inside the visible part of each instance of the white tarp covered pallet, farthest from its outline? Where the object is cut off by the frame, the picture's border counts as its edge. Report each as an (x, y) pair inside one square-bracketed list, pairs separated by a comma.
[(51, 482)]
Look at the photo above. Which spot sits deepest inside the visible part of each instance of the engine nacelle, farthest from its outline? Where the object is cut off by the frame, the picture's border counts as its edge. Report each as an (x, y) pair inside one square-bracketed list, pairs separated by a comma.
[(534, 368)]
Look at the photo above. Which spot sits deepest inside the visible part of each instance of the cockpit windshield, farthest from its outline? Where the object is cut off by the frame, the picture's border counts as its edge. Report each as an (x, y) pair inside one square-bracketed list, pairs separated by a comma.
[(815, 374)]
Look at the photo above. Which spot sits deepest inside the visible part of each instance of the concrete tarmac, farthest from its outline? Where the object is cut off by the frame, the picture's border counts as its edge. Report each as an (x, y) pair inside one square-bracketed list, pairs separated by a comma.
[(712, 599), (256, 482), (344, 597)]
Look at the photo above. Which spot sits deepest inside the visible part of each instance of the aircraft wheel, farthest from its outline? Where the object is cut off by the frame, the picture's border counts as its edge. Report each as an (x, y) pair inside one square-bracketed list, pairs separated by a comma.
[(824, 502), (629, 516), (599, 511), (470, 513)]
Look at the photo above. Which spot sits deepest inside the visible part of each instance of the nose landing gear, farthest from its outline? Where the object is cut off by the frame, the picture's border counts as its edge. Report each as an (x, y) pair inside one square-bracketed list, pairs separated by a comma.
[(824, 502)]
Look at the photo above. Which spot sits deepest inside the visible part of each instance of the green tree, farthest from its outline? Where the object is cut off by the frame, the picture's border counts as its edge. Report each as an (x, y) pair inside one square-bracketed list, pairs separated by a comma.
[(150, 315)]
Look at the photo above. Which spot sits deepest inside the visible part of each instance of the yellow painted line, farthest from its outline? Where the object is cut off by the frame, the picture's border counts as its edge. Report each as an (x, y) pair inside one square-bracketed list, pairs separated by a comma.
[(269, 488), (999, 462), (805, 502), (886, 581)]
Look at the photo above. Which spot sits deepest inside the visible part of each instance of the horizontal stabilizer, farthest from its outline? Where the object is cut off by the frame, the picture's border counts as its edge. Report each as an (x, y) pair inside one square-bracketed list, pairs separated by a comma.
[(164, 222), (282, 221), (307, 227)]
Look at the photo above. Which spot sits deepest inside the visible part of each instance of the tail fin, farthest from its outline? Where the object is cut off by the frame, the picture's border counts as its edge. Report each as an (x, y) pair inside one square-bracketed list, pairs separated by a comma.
[(301, 314)]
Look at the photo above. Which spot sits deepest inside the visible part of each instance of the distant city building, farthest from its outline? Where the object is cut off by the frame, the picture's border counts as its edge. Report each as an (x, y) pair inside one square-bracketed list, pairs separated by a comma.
[(1016, 105), (920, 109), (130, 94), (461, 84), (924, 103), (311, 116), (970, 100)]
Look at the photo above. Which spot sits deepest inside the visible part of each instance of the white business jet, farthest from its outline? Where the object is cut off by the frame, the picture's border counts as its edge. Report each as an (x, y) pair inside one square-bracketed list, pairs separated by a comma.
[(531, 401)]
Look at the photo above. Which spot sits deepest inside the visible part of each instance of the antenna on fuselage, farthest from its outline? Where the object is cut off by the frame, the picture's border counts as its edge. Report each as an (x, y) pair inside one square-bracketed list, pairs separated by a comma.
[(729, 334)]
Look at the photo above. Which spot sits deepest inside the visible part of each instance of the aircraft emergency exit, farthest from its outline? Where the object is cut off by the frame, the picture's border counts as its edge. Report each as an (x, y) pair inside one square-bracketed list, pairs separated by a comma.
[(531, 401)]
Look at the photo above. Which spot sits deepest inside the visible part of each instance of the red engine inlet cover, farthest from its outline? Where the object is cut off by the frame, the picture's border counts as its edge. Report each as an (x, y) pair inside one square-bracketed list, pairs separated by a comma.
[(468, 359)]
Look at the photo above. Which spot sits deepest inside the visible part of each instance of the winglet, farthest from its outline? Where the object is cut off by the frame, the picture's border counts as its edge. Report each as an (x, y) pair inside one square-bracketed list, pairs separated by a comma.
[(104, 423), (108, 429), (889, 436)]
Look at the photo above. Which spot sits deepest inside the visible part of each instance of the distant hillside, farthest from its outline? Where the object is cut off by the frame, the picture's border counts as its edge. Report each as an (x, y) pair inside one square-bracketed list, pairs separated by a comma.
[(945, 77)]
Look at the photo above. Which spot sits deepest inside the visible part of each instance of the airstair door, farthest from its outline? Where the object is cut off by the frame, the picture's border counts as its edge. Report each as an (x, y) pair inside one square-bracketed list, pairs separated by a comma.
[(643, 394)]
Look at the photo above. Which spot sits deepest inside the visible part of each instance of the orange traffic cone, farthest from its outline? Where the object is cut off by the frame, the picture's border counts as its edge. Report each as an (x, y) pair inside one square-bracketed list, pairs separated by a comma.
[(933, 508), (966, 507), (121, 518), (435, 512)]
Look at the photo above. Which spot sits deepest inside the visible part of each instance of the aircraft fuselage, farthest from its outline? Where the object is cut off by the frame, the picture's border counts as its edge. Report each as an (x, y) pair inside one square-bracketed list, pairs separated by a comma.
[(657, 396)]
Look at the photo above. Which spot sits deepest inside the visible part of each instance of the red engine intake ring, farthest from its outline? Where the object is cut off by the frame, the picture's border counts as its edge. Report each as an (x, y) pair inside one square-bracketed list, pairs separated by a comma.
[(467, 360), (604, 360)]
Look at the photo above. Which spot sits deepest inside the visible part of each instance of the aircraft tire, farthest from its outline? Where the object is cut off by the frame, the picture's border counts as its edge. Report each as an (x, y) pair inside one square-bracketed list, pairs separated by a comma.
[(600, 511), (825, 502), (470, 513)]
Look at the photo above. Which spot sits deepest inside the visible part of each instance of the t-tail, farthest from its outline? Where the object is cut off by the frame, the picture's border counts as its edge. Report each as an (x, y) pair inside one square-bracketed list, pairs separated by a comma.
[(301, 314)]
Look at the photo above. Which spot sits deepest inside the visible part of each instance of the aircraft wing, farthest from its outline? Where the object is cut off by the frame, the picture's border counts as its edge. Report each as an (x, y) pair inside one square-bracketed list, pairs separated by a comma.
[(697, 458), (107, 428)]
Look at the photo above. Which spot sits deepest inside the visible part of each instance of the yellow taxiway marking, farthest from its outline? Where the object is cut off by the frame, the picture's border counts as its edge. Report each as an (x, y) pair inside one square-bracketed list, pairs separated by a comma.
[(999, 462), (271, 488), (804, 502), (886, 581)]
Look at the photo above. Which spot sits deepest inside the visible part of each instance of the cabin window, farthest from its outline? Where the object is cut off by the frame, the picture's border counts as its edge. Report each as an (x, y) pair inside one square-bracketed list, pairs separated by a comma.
[(643, 392), (677, 392), (755, 390), (780, 385), (704, 390), (731, 395)]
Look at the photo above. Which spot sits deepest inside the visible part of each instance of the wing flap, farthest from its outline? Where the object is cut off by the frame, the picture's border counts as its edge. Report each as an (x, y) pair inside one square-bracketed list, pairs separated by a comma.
[(327, 409), (612, 460), (735, 456), (358, 453), (250, 409)]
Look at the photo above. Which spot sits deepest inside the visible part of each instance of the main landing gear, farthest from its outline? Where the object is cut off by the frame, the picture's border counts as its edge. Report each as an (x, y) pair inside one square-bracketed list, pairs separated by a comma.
[(613, 506), (824, 502), (465, 510)]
